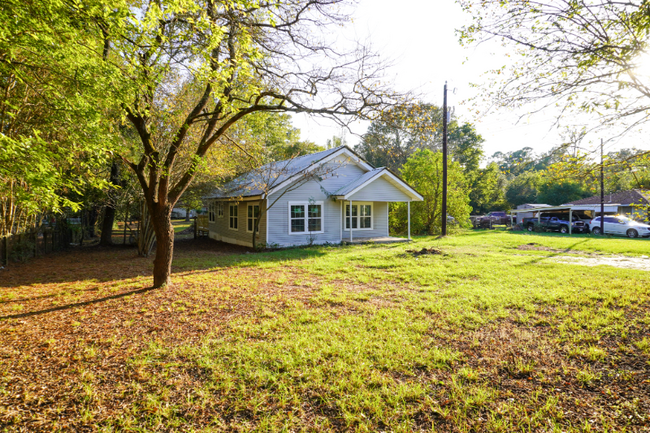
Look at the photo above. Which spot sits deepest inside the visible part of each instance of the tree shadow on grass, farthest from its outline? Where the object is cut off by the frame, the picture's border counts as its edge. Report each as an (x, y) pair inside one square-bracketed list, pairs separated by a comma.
[(99, 265), (554, 253), (76, 304)]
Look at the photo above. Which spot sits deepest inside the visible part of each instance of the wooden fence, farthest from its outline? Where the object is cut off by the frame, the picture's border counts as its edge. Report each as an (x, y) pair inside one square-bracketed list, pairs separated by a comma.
[(201, 227)]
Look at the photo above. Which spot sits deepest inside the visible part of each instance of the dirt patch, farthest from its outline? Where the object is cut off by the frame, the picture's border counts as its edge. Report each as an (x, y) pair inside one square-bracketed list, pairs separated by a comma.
[(424, 251), (640, 263), (535, 247)]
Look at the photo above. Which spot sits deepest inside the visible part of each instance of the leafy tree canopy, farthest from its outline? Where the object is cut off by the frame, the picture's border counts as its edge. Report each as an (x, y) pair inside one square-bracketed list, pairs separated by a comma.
[(581, 55), (55, 118), (401, 131), (423, 170)]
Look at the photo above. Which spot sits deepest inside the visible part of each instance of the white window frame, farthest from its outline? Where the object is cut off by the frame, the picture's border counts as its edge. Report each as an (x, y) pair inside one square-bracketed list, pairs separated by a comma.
[(211, 212), (253, 217), (220, 209), (358, 203), (236, 217), (306, 217)]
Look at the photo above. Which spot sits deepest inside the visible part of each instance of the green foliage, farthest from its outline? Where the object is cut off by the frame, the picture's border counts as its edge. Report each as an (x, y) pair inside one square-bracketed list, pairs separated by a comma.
[(555, 192), (487, 190), (403, 130), (523, 189), (423, 171), (55, 131)]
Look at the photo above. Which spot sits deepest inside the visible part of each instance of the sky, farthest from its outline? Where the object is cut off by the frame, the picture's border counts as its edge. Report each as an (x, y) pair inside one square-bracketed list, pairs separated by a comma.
[(418, 37)]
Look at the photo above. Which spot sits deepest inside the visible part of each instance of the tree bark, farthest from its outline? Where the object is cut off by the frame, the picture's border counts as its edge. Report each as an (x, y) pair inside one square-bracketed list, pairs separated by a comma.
[(162, 264), (109, 210)]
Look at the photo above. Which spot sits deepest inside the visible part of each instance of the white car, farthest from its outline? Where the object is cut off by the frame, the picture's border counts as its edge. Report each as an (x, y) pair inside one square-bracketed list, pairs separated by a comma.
[(620, 225)]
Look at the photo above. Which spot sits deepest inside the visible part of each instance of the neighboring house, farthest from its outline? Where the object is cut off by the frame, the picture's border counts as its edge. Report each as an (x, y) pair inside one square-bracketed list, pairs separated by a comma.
[(633, 203), (325, 197)]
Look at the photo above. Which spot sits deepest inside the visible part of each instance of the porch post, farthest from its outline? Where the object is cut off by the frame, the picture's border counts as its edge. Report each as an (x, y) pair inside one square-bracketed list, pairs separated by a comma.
[(350, 220), (408, 206), (342, 221), (570, 219)]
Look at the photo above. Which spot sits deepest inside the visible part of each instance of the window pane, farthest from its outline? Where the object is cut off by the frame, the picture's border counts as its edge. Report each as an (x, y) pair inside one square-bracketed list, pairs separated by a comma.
[(314, 224), (354, 222), (250, 225), (347, 223), (347, 210), (297, 225), (256, 210), (314, 211), (297, 211), (250, 211), (365, 210), (366, 222)]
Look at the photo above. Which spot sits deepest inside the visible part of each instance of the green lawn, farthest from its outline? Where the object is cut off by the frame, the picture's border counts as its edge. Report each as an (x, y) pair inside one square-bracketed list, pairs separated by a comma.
[(493, 334), (180, 225)]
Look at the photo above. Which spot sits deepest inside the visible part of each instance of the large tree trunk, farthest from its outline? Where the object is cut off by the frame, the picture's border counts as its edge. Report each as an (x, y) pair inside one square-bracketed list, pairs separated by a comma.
[(162, 264), (109, 210), (107, 226)]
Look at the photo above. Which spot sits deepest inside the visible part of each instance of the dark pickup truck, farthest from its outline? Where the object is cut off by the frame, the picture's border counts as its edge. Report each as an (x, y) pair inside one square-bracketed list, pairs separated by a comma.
[(555, 224), (491, 219)]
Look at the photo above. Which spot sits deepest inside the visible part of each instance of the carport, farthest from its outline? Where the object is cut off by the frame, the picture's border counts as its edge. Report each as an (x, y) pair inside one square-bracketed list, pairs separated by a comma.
[(592, 208)]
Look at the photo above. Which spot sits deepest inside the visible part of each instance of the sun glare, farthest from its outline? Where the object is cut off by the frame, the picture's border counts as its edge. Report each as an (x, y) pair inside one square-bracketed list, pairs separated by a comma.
[(642, 65)]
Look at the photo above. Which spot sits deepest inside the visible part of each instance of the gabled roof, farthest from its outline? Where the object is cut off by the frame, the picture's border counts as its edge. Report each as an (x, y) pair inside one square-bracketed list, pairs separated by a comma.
[(276, 175), (633, 196), (367, 178), (359, 181), (532, 205)]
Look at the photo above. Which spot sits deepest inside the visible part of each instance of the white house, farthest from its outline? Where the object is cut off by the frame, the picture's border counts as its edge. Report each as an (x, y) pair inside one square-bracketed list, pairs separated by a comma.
[(324, 197)]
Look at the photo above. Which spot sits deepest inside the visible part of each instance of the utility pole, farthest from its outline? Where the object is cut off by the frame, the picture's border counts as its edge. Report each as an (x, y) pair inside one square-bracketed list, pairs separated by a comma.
[(444, 163), (602, 191)]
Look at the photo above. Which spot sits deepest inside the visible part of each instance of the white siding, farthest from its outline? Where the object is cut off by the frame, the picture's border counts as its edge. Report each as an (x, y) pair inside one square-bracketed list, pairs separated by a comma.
[(382, 190), (335, 175), (339, 173), (279, 216), (220, 229), (379, 223)]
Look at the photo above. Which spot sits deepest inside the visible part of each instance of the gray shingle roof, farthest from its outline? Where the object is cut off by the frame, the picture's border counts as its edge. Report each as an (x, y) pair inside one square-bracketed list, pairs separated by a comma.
[(622, 197), (262, 179), (346, 189)]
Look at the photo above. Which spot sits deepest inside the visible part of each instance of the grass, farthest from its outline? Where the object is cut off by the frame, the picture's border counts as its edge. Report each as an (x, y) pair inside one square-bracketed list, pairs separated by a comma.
[(180, 225), (490, 335)]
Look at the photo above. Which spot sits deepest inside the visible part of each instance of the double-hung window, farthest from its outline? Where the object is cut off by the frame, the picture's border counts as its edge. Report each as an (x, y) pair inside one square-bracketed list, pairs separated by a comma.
[(220, 210), (305, 217), (253, 214), (233, 224), (361, 218), (211, 212)]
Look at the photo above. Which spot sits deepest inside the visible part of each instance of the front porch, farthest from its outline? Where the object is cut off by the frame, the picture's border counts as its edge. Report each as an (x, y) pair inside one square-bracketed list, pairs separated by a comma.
[(378, 240), (364, 211)]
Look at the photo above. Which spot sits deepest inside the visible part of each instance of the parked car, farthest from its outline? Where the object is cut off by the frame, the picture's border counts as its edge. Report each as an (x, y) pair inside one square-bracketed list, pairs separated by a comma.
[(491, 219), (620, 225), (556, 224)]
